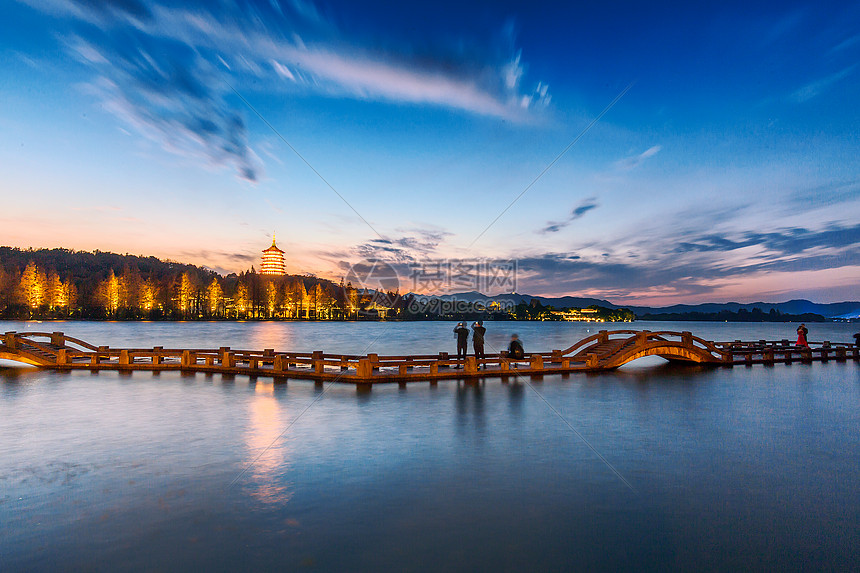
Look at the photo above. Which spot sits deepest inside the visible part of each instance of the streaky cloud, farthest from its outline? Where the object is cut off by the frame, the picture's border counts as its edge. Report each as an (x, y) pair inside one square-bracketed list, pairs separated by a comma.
[(634, 161), (584, 207), (166, 68)]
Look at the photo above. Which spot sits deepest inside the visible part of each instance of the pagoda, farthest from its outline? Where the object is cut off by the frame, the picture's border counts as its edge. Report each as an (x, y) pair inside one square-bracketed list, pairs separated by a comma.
[(272, 262)]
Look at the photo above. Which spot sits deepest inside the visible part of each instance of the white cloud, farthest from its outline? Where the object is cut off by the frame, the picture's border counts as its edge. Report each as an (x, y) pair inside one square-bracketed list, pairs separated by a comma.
[(634, 161)]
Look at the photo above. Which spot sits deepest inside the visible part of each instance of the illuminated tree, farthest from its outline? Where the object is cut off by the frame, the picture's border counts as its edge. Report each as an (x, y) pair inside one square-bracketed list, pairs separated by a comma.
[(33, 286), (214, 297), (185, 294), (303, 299), (240, 300), (109, 293), (148, 294), (271, 297), (58, 292), (131, 287)]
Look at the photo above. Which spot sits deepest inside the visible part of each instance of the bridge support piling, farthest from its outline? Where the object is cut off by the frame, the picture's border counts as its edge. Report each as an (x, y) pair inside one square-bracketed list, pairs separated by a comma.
[(124, 359), (62, 357)]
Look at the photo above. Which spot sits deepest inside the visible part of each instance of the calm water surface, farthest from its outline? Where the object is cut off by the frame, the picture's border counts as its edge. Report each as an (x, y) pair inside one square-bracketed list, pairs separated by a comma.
[(652, 467)]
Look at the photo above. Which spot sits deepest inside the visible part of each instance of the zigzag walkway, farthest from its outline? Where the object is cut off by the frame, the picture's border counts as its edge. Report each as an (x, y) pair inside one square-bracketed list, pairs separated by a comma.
[(603, 351)]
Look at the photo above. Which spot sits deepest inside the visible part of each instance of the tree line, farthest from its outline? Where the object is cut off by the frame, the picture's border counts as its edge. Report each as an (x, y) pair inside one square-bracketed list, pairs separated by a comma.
[(61, 283)]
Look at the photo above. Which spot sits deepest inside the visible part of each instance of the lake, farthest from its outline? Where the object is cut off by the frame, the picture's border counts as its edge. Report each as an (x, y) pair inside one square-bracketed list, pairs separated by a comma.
[(651, 467)]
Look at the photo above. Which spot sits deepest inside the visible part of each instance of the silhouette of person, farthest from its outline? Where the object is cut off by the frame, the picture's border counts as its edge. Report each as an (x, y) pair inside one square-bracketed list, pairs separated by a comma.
[(857, 340), (462, 341), (478, 332), (802, 331), (515, 348)]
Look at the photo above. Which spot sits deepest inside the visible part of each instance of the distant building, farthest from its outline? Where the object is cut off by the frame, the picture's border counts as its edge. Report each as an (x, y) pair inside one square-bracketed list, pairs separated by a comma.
[(272, 261)]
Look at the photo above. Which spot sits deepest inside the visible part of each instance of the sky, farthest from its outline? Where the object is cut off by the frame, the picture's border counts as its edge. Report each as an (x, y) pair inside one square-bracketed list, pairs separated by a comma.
[(638, 152)]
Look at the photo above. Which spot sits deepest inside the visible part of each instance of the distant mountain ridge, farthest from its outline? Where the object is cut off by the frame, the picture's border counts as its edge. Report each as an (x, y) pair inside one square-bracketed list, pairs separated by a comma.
[(844, 309)]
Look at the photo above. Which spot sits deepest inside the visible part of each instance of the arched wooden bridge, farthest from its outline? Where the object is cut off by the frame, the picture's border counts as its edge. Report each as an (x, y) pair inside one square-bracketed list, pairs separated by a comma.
[(603, 351)]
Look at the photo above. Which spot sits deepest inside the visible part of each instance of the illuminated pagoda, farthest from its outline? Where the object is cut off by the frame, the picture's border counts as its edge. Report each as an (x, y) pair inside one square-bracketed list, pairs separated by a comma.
[(272, 262)]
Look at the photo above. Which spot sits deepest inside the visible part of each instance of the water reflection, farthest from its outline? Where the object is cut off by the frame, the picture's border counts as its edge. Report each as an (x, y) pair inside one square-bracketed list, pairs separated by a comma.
[(267, 449), (273, 335), (470, 404)]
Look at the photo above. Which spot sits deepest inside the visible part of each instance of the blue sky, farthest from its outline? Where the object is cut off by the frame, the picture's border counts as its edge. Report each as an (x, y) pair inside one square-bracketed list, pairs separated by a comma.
[(728, 170)]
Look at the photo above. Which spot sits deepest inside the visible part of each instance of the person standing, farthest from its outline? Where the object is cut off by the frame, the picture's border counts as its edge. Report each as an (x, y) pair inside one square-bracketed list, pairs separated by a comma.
[(478, 332), (802, 331), (462, 341)]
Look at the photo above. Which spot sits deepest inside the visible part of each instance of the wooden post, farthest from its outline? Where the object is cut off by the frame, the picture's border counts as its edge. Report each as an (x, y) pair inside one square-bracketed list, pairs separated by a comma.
[(687, 339), (788, 356), (62, 357), (443, 356), (402, 369), (95, 358), (504, 364), (602, 336), (210, 360), (11, 340), (556, 356), (748, 358), (565, 363), (374, 361), (591, 360), (278, 363), (536, 362), (319, 365), (767, 355), (157, 358), (58, 339), (434, 368), (642, 337), (124, 359), (471, 366), (365, 369)]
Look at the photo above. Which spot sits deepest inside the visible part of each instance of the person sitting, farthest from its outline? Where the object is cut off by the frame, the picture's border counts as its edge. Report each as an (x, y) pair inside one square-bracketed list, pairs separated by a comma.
[(515, 348)]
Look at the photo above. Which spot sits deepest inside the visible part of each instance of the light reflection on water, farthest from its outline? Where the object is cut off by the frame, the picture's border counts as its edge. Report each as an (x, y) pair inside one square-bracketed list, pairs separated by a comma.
[(733, 468), (267, 455)]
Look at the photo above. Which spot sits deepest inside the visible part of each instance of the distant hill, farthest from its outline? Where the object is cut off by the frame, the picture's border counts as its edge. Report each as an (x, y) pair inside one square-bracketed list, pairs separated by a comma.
[(847, 309), (797, 307)]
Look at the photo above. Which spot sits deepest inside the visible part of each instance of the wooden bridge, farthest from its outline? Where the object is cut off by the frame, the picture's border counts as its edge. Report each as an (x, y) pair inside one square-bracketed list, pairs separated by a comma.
[(603, 351)]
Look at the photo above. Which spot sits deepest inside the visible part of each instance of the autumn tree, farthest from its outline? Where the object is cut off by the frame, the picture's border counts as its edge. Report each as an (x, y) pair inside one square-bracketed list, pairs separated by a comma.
[(214, 297), (33, 286)]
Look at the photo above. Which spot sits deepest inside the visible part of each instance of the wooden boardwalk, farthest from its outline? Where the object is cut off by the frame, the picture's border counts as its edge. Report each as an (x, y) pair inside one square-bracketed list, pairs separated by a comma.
[(603, 351)]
